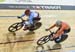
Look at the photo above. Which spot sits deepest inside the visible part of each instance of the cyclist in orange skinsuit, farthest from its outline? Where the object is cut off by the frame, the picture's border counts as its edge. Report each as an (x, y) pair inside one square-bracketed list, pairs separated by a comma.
[(63, 28)]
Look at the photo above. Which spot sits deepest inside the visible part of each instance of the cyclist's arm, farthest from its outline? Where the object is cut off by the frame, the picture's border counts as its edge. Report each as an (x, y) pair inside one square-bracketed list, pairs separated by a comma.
[(52, 26), (22, 15), (31, 19), (60, 32)]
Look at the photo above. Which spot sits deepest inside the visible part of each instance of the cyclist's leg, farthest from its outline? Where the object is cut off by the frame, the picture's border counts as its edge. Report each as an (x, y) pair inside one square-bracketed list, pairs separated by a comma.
[(57, 40), (65, 35), (67, 31), (26, 25), (61, 38), (37, 18), (57, 30)]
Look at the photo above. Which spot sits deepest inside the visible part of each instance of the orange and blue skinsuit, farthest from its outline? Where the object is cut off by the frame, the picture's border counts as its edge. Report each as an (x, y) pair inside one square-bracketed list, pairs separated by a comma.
[(63, 28)]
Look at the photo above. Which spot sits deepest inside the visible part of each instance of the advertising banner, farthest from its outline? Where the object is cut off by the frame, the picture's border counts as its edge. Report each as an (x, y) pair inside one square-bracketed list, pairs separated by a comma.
[(36, 7)]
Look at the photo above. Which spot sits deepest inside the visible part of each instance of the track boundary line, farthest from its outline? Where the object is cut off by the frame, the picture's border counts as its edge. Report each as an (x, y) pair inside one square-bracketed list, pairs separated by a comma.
[(8, 16), (70, 46), (17, 41)]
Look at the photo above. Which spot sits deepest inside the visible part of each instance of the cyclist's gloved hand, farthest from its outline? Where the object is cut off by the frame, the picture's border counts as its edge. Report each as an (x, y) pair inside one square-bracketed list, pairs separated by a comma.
[(46, 29), (18, 17)]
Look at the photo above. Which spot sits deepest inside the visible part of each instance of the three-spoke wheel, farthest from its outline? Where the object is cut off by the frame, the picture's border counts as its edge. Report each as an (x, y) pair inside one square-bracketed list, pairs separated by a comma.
[(43, 40), (15, 27)]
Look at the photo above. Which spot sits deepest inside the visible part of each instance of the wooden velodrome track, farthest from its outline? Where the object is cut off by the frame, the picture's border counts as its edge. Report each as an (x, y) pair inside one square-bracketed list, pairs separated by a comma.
[(48, 18)]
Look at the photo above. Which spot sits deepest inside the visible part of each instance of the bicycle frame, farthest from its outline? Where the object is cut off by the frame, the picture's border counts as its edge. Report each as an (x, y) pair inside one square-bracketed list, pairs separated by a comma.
[(23, 21)]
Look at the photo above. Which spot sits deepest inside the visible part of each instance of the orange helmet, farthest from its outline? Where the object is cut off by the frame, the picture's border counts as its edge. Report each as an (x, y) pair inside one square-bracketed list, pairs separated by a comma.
[(27, 12)]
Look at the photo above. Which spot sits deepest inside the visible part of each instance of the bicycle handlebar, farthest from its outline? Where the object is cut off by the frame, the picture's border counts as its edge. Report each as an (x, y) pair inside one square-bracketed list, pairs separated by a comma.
[(50, 31), (22, 19)]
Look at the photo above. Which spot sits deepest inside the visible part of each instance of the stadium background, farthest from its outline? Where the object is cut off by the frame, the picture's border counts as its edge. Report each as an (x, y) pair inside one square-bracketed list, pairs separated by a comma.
[(50, 12)]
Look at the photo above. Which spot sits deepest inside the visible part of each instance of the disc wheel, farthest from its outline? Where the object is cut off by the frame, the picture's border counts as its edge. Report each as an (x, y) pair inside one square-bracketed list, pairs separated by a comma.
[(43, 40), (15, 27), (64, 37), (36, 26)]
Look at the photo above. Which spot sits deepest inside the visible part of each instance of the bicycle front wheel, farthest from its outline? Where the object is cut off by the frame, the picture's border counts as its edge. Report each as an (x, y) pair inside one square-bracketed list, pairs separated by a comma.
[(15, 27), (43, 40)]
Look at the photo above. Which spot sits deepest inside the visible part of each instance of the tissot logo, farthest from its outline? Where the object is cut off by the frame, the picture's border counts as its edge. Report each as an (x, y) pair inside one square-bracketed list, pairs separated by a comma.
[(47, 7), (51, 7)]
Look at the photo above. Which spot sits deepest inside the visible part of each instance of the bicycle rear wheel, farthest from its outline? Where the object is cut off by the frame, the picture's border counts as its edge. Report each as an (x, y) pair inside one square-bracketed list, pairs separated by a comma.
[(63, 38), (36, 26)]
